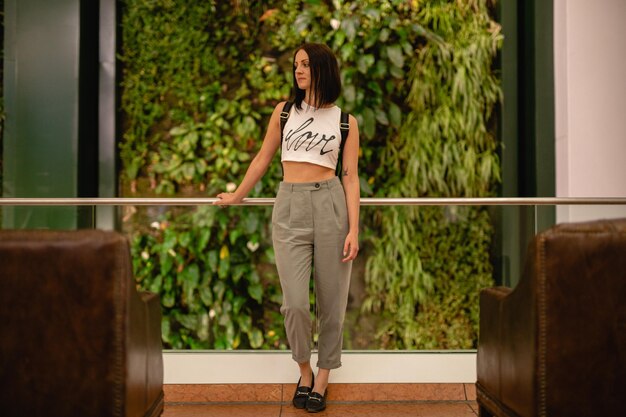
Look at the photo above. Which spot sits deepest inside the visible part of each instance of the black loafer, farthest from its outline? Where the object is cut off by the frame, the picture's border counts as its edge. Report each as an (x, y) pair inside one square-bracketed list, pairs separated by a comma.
[(316, 402), (302, 393)]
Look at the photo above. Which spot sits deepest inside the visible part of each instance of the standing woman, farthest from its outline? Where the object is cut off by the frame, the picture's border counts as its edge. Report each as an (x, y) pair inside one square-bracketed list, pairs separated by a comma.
[(315, 216)]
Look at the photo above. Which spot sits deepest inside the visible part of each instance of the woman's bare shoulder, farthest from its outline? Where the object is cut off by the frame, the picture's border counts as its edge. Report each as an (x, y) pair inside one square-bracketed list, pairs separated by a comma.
[(280, 105)]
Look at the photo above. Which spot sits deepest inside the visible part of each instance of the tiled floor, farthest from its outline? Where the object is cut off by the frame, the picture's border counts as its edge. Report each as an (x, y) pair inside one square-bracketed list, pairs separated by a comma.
[(434, 409), (344, 400)]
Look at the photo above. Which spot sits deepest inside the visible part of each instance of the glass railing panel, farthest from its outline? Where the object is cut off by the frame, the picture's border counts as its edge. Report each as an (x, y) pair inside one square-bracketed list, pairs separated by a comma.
[(47, 217), (414, 285), (214, 271), (586, 212)]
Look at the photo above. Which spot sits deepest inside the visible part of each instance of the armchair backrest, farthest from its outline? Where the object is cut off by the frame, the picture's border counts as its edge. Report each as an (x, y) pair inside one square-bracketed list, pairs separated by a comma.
[(65, 305), (555, 345), (580, 283)]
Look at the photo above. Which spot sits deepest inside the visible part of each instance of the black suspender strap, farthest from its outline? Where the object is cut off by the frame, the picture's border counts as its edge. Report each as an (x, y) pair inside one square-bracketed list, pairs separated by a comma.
[(344, 127), (284, 115)]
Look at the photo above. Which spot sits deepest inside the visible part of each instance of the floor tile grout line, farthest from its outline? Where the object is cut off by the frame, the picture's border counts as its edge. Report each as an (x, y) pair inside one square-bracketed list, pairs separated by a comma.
[(227, 403), (281, 403)]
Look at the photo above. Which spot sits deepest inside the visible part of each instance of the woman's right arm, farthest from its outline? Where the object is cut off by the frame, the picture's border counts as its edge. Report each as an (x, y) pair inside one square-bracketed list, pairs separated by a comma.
[(259, 164)]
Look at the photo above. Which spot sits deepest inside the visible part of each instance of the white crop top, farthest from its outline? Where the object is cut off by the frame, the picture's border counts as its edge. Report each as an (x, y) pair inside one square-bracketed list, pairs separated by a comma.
[(312, 135)]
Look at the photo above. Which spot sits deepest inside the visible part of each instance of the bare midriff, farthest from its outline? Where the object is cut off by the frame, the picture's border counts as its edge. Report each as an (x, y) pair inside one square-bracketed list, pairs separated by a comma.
[(306, 172)]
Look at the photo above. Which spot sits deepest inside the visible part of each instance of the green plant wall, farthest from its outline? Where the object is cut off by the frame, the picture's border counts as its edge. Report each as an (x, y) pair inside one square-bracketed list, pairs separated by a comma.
[(196, 93), (430, 257), (200, 80)]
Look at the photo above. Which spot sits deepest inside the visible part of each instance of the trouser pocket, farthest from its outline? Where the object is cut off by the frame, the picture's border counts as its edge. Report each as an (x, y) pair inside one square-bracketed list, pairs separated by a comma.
[(280, 211)]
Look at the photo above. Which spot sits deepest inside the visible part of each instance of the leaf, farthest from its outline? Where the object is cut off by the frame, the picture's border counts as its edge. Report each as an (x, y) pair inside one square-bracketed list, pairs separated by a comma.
[(384, 35), (238, 272), (232, 237), (218, 290), (256, 338), (168, 300), (192, 138), (206, 295), (369, 123), (155, 286), (365, 62), (245, 322), (395, 114), (372, 12), (191, 278), (184, 239), (132, 169), (251, 222), (178, 130), (365, 187), (224, 252), (165, 329), (224, 268), (381, 117), (203, 239), (189, 321), (166, 262), (302, 22), (349, 26), (238, 302), (395, 55), (396, 72), (170, 238), (253, 277), (225, 320), (256, 292), (212, 260)]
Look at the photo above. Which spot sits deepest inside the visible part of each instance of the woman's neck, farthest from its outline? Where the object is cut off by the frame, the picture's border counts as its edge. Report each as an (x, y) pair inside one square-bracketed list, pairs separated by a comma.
[(309, 99)]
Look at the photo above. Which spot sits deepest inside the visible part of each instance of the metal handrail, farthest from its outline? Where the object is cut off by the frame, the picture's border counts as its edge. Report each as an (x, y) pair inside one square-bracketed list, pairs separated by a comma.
[(495, 201)]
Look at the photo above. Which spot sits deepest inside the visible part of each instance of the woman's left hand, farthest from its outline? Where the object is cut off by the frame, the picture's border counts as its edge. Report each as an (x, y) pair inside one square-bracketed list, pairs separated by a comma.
[(226, 199), (350, 247)]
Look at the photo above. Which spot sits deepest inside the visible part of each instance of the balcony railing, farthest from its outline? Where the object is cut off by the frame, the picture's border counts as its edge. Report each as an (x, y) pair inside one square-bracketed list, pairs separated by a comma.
[(515, 221), (499, 201)]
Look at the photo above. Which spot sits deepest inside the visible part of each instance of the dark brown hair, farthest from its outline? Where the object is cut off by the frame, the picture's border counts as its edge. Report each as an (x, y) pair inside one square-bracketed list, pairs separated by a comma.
[(325, 79)]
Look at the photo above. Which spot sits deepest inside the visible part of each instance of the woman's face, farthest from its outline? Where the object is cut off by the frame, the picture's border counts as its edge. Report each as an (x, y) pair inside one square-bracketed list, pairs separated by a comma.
[(302, 71)]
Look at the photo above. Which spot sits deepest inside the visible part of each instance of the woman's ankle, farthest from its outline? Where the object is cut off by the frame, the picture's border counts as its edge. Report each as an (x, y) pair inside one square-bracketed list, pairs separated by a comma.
[(321, 382), (306, 374)]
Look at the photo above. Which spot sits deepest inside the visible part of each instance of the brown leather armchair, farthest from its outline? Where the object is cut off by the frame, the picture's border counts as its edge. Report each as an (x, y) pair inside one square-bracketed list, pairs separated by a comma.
[(556, 344), (76, 338)]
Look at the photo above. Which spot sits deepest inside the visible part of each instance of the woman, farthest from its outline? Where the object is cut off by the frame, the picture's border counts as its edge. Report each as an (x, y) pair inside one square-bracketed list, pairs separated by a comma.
[(315, 215)]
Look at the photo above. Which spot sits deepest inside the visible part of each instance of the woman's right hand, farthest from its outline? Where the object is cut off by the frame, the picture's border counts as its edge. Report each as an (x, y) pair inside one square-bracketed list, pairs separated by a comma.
[(226, 199)]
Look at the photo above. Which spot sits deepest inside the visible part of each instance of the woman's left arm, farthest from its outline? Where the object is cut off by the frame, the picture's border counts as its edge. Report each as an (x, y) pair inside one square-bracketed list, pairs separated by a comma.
[(351, 186)]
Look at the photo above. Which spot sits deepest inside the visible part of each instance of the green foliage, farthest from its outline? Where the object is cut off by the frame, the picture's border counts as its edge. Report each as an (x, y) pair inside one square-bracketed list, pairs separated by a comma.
[(200, 81), (426, 287), (196, 94), (192, 66), (444, 149), (212, 297)]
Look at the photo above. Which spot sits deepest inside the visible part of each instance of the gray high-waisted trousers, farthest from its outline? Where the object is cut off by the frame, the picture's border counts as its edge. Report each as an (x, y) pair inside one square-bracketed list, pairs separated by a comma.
[(310, 223)]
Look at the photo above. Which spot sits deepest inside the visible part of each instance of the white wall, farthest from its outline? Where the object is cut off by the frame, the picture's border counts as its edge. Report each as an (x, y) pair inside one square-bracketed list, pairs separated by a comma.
[(253, 367), (590, 100)]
